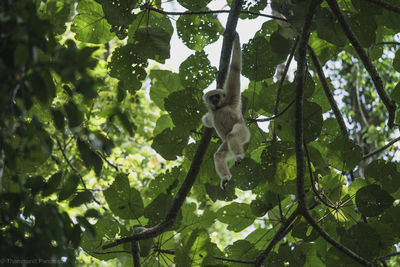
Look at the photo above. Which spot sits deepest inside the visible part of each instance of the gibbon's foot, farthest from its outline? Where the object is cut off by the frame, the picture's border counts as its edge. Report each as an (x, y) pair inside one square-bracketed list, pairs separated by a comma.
[(224, 181), (238, 160)]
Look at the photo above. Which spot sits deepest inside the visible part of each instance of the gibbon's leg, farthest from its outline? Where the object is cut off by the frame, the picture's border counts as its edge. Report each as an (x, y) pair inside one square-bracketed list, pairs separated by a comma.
[(221, 158), (236, 139)]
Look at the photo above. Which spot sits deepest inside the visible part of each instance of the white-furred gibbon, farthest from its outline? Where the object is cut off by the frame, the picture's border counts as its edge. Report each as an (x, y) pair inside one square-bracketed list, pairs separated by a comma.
[(225, 115)]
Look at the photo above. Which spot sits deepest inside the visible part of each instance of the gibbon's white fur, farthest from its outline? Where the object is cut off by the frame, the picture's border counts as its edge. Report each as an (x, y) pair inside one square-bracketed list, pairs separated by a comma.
[(225, 115)]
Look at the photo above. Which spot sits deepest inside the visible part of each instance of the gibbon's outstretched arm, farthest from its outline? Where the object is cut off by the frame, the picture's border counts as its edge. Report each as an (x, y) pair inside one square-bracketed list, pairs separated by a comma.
[(232, 84), (225, 115)]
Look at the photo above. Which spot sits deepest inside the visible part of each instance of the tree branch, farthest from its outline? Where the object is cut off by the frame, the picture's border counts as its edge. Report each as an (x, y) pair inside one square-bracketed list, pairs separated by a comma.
[(282, 231), (204, 12), (180, 197), (381, 149), (327, 91), (380, 43), (386, 5), (135, 252), (170, 252), (390, 105), (301, 198), (273, 117)]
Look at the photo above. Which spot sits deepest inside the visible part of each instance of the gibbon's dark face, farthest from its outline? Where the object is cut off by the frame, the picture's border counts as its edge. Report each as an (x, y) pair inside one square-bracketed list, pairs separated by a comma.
[(214, 99)]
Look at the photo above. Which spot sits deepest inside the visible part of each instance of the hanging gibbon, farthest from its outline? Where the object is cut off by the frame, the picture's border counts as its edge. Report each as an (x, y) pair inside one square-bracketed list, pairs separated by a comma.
[(225, 116)]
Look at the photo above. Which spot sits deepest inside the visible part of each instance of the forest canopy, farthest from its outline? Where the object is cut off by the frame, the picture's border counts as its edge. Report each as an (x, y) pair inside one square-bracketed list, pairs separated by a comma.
[(104, 159)]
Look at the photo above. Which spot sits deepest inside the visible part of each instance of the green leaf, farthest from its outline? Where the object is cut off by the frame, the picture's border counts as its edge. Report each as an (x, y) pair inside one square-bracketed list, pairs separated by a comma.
[(163, 123), (69, 186), (170, 143), (58, 118), (252, 6), (185, 109), (280, 46), (237, 215), (129, 67), (385, 173), (153, 43), (90, 25), (106, 229), (259, 61), (329, 29), (124, 201), (343, 154), (52, 184), (156, 210), (198, 31), (146, 19), (248, 174), (396, 66), (194, 5), (163, 82), (371, 200), (196, 71), (241, 249), (74, 115), (89, 156), (35, 184), (21, 55), (80, 198)]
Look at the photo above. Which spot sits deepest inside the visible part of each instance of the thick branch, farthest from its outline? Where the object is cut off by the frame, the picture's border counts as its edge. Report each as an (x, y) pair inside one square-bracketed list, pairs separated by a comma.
[(327, 91), (386, 5), (204, 12), (135, 252), (390, 105), (180, 197), (301, 68)]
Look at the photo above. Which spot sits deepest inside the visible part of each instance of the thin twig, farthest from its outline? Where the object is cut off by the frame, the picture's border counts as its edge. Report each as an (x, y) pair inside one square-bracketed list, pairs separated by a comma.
[(386, 256), (327, 91), (187, 184), (381, 149), (386, 5), (316, 193), (109, 162), (380, 43), (390, 105), (170, 252), (205, 12), (273, 117), (74, 169)]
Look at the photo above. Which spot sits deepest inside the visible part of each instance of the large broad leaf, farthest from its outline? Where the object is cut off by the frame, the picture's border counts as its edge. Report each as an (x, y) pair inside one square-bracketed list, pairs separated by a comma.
[(237, 215), (170, 143), (68, 187), (129, 67), (252, 6), (248, 174), (90, 25), (185, 110), (119, 14), (153, 43), (105, 228), (147, 19), (241, 249), (89, 156), (384, 173), (329, 29), (196, 71), (312, 123), (156, 210), (371, 200), (163, 82), (396, 66), (194, 5), (74, 115), (259, 61), (198, 31), (343, 154), (123, 200)]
